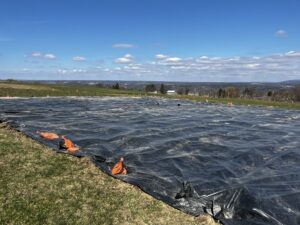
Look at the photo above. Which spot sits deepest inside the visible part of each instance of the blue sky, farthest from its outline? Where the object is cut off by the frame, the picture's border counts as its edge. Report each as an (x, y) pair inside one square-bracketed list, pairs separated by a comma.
[(191, 40)]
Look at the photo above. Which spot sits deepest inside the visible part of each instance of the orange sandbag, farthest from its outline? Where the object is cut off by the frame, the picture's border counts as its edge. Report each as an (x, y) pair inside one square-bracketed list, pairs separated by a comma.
[(119, 168), (48, 135), (72, 150), (69, 145)]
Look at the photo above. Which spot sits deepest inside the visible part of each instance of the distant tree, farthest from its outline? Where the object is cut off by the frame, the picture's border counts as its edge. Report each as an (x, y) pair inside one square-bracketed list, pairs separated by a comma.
[(10, 80), (221, 93), (248, 92), (283, 95), (100, 85), (150, 88), (183, 91), (296, 93), (180, 91), (186, 91), (162, 89), (116, 86), (270, 93), (232, 92)]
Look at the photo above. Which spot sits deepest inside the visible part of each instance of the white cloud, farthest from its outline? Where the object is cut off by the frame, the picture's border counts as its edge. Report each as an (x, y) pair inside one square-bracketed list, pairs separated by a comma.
[(135, 67), (180, 67), (267, 68), (36, 54), (252, 65), (161, 56), (128, 56), (174, 59), (204, 57), (235, 59), (123, 60), (281, 33), (292, 53), (78, 71), (79, 59), (123, 45), (126, 59), (275, 67), (71, 71), (171, 61), (62, 71), (164, 59), (48, 56)]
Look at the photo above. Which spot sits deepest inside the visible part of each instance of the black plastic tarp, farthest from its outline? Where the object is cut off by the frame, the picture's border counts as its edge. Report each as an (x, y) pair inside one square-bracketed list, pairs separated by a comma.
[(241, 164)]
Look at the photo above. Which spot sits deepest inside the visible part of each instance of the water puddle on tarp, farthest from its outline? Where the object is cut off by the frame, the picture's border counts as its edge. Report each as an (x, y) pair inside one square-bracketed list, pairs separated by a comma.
[(241, 164)]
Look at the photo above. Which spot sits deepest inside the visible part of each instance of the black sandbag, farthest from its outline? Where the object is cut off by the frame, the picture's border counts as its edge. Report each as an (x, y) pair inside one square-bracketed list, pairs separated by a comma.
[(240, 164)]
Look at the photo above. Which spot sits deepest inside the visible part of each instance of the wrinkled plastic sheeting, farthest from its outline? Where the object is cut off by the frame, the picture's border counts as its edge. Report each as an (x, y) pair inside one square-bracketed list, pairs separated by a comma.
[(240, 164)]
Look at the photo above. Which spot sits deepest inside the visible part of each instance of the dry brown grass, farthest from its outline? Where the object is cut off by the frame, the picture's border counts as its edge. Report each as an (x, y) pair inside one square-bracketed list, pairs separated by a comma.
[(39, 186), (25, 86)]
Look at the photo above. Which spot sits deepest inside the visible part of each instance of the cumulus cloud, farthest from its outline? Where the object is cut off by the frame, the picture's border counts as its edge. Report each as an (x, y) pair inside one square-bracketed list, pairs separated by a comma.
[(167, 60), (123, 60), (123, 45), (36, 54), (78, 71), (266, 68), (204, 57), (71, 71), (161, 56), (273, 67), (173, 59), (48, 56), (281, 33), (252, 65), (292, 53), (62, 71), (79, 59), (126, 59)]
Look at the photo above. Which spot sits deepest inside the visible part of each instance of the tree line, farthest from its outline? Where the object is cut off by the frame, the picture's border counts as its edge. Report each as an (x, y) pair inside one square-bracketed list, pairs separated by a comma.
[(286, 94)]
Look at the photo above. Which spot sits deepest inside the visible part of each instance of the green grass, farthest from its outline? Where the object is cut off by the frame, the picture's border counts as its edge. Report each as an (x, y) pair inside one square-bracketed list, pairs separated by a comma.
[(39, 186), (17, 89), (239, 101)]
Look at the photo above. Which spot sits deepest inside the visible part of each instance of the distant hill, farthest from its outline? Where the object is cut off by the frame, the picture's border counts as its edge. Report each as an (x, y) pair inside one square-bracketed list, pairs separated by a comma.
[(291, 82)]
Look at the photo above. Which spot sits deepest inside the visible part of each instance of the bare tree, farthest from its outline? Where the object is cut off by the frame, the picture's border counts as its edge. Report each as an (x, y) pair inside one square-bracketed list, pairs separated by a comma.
[(248, 92), (232, 92), (150, 88), (296, 92), (116, 86), (221, 93)]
